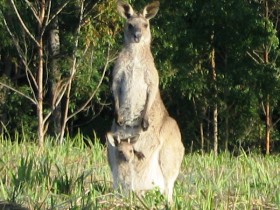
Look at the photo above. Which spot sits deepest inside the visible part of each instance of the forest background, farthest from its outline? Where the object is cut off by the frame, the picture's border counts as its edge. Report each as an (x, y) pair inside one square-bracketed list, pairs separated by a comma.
[(218, 62)]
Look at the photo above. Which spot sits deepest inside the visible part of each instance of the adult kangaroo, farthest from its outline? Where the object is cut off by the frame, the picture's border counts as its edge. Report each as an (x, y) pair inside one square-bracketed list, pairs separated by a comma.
[(135, 77), (137, 99)]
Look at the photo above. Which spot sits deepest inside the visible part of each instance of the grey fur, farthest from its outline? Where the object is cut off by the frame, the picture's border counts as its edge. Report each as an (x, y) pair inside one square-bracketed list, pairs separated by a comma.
[(163, 150), (135, 77), (138, 100)]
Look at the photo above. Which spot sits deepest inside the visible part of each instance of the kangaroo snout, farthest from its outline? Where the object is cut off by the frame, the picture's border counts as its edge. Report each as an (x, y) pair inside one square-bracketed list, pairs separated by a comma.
[(137, 36)]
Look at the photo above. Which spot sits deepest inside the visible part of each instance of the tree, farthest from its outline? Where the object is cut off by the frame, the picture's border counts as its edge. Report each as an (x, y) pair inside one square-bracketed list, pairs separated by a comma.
[(49, 66), (265, 54)]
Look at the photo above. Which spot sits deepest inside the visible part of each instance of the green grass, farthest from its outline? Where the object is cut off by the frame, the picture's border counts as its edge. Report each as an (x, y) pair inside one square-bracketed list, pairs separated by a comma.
[(76, 176)]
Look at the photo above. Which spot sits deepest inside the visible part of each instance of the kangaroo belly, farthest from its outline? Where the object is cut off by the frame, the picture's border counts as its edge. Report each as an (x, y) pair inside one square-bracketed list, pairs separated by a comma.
[(149, 177), (133, 96)]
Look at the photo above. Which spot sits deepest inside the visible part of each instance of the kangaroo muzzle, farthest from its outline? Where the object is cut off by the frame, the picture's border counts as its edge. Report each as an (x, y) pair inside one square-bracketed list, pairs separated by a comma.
[(137, 36)]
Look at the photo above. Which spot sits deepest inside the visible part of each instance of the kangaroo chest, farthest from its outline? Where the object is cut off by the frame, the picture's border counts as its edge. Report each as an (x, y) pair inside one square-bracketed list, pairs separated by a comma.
[(134, 87), (134, 83)]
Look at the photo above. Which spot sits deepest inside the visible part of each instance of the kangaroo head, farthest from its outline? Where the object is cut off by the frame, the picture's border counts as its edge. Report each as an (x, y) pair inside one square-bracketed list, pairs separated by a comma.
[(137, 27)]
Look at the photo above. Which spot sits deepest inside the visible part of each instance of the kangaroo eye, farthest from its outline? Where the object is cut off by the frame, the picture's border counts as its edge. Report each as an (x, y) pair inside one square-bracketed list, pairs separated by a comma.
[(130, 26), (146, 25)]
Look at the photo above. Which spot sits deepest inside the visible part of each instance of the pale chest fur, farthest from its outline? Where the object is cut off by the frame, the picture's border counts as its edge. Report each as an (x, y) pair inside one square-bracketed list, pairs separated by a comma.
[(132, 72)]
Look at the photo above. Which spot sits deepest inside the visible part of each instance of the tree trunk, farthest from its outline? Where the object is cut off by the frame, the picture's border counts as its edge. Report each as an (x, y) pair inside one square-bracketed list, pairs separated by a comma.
[(267, 104), (201, 136), (65, 118), (40, 94), (227, 129), (215, 128), (215, 106), (268, 127), (55, 78), (226, 93), (4, 93), (208, 129)]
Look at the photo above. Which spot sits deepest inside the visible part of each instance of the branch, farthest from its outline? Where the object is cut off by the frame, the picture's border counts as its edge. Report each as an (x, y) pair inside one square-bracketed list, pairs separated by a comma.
[(258, 56), (263, 108), (45, 20), (72, 73), (21, 55), (91, 9), (251, 56), (19, 92), (32, 8), (61, 92), (58, 11), (255, 57), (93, 94), (275, 122), (23, 25)]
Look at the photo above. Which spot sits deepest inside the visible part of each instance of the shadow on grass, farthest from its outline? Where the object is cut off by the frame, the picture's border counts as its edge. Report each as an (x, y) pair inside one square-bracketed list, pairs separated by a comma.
[(4, 205)]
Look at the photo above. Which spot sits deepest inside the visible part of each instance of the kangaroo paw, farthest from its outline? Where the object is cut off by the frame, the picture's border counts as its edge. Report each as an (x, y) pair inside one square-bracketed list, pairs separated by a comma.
[(120, 121), (139, 155), (145, 124)]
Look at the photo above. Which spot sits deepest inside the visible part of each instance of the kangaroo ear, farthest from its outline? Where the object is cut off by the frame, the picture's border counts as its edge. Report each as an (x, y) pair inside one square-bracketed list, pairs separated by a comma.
[(125, 9), (111, 140), (151, 10)]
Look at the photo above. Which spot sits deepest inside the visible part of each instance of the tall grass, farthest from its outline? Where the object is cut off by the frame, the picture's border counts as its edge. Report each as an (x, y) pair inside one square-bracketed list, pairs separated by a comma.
[(77, 176)]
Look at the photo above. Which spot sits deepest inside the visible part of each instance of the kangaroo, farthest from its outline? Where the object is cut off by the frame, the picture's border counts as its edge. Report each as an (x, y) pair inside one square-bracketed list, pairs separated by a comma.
[(126, 152), (125, 156), (135, 77), (160, 143), (162, 153)]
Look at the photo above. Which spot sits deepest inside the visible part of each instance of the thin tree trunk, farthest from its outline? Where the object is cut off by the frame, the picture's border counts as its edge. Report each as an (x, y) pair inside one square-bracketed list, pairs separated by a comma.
[(267, 104), (227, 129), (72, 74), (215, 106), (40, 108), (40, 95), (227, 106), (268, 126), (208, 128), (55, 78), (215, 128), (4, 93), (201, 136)]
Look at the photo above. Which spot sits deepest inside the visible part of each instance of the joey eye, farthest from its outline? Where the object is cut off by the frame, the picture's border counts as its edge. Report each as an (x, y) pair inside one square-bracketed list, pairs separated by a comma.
[(145, 25)]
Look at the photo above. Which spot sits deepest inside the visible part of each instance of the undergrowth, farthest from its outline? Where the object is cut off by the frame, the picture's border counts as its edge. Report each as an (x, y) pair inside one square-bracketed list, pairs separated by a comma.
[(76, 175)]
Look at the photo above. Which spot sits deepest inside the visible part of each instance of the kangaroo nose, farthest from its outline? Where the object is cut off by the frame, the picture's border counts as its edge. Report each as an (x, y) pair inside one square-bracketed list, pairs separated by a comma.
[(137, 36)]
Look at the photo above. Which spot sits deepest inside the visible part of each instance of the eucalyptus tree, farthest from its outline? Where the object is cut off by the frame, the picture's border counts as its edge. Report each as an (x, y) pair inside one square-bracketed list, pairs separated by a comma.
[(264, 54), (204, 66), (50, 49)]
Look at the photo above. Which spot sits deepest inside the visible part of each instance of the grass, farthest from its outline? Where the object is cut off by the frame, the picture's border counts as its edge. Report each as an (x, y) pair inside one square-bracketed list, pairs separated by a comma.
[(76, 176)]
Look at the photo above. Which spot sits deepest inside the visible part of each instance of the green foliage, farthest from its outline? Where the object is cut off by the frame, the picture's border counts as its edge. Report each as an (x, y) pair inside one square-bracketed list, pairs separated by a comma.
[(181, 46), (77, 176)]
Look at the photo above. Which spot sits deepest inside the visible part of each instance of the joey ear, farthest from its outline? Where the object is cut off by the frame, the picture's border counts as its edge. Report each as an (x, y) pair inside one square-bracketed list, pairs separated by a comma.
[(151, 10), (111, 139), (125, 10)]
